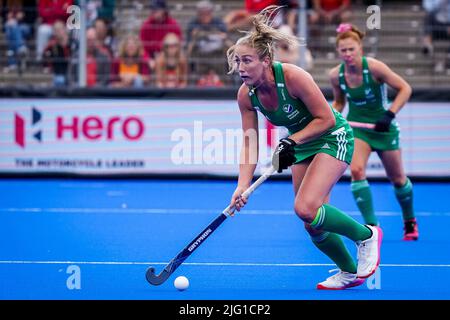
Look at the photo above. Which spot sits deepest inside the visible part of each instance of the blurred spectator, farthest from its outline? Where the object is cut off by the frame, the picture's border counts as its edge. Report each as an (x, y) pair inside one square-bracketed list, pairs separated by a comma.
[(171, 64), (156, 27), (105, 36), (210, 79), (289, 53), (325, 12), (437, 27), (130, 69), (98, 63), (57, 54), (99, 9), (241, 19), (207, 41), (50, 11), (436, 24), (291, 13), (18, 22), (331, 11)]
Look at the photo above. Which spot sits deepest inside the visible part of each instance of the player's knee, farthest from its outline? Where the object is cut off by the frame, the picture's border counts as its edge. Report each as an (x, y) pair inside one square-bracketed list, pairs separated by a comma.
[(311, 231), (398, 181), (306, 209), (358, 172)]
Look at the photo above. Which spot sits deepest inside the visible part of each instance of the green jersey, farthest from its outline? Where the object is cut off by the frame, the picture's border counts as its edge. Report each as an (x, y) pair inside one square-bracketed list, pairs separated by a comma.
[(293, 114), (367, 103)]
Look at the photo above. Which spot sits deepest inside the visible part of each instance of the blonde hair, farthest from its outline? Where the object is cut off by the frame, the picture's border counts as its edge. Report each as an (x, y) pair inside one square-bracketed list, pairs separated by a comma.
[(262, 37), (162, 59), (124, 43), (347, 30), (171, 39)]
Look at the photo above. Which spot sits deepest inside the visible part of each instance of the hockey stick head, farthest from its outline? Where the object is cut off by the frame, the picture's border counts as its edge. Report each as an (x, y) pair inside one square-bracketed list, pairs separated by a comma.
[(154, 279)]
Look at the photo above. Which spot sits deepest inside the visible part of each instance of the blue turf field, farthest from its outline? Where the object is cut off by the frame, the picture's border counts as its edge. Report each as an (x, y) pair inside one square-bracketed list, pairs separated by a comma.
[(94, 239)]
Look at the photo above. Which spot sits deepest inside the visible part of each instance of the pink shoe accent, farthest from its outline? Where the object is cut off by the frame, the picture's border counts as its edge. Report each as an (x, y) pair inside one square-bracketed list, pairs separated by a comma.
[(355, 283), (411, 231)]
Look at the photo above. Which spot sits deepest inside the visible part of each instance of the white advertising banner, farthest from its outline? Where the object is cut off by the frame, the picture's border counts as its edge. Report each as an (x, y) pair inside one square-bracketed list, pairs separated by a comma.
[(109, 136)]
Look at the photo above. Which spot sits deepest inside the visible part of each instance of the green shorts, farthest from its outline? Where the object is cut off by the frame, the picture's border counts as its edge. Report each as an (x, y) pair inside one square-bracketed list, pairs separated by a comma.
[(338, 143), (381, 141)]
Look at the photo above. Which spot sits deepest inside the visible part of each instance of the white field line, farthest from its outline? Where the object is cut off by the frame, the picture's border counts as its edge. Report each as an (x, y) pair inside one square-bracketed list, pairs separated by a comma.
[(221, 264), (124, 210)]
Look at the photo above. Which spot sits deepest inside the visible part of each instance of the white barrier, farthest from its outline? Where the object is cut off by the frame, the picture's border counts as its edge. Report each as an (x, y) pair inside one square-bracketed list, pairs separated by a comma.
[(95, 136)]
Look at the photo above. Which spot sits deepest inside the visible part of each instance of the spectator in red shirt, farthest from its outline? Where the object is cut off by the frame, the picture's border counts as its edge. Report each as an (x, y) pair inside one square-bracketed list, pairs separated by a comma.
[(255, 6), (318, 11), (241, 19), (50, 11), (156, 27), (331, 11), (325, 12)]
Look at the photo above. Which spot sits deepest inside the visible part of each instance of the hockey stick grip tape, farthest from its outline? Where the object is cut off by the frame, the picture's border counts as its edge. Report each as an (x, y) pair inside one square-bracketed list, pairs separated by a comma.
[(361, 125)]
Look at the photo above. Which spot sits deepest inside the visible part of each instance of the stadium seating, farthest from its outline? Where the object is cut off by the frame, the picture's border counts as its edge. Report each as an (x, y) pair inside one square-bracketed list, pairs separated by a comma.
[(397, 43)]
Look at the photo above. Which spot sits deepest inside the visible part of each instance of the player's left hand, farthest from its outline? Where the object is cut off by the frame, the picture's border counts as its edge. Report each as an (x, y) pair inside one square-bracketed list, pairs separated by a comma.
[(237, 200), (284, 155), (382, 125)]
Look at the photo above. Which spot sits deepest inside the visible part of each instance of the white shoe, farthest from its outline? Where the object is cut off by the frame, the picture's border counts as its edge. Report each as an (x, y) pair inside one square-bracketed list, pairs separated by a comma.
[(339, 281), (369, 253)]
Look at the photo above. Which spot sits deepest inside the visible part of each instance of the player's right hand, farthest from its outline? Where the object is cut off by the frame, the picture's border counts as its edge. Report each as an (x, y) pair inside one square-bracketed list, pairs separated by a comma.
[(383, 124), (237, 201)]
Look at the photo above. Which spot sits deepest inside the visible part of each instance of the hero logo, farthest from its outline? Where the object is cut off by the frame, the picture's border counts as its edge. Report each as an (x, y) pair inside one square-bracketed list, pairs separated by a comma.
[(19, 127), (95, 128), (89, 128)]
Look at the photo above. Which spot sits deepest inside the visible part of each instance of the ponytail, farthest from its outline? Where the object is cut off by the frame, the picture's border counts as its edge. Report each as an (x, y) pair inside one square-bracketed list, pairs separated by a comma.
[(262, 37)]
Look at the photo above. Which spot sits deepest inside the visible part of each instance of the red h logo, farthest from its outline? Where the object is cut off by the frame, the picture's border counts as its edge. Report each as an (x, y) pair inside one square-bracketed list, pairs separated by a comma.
[(19, 125)]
